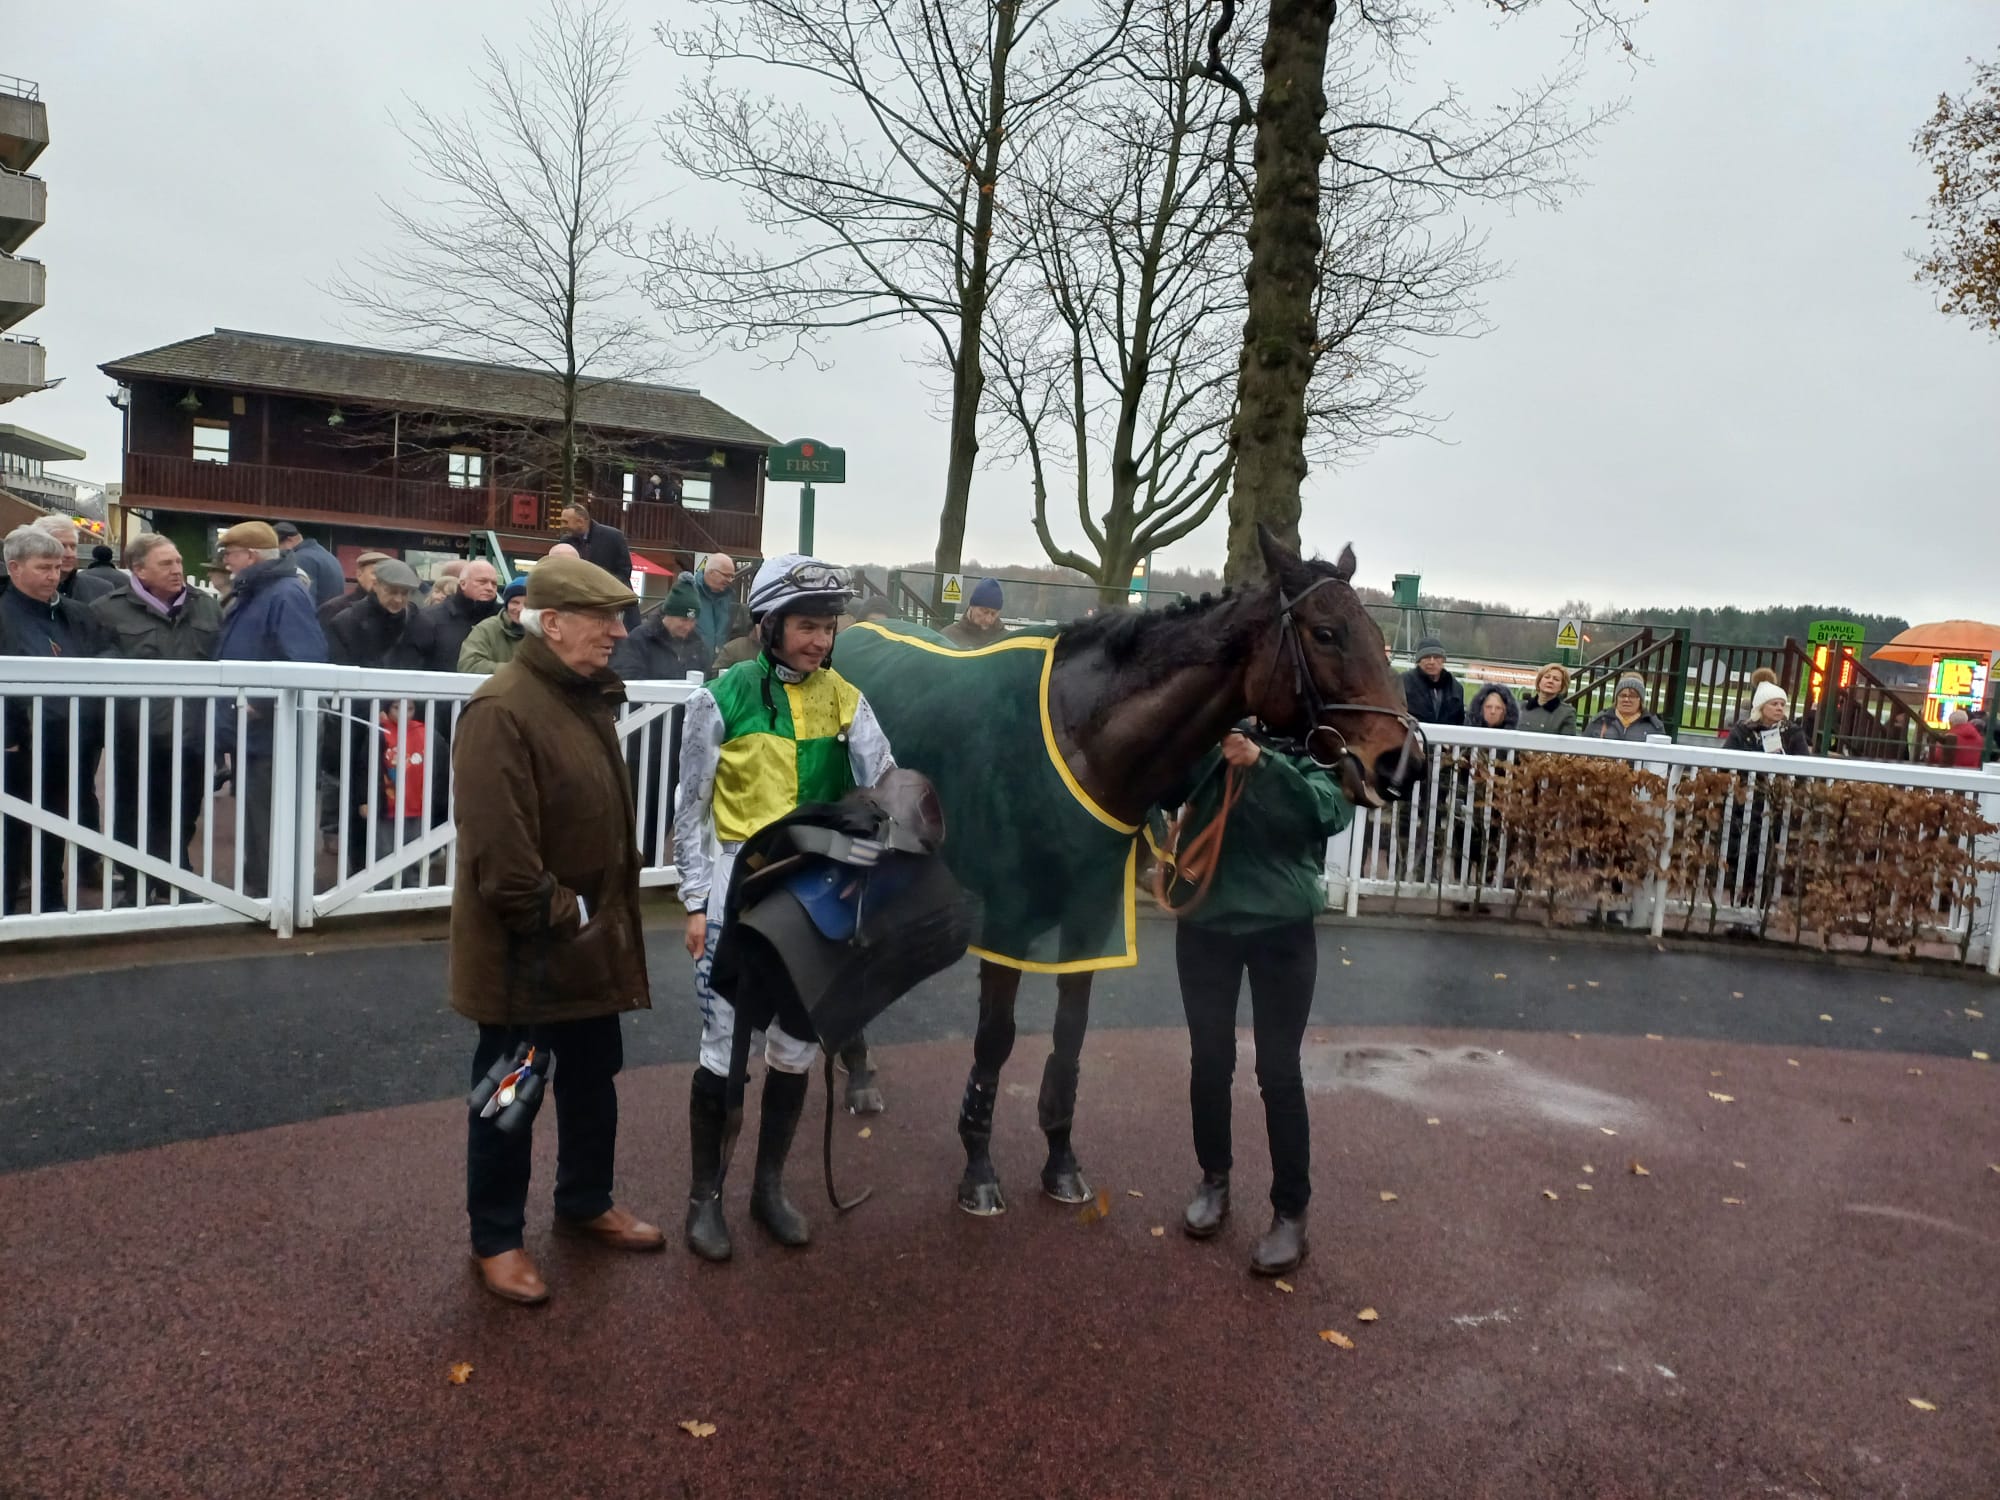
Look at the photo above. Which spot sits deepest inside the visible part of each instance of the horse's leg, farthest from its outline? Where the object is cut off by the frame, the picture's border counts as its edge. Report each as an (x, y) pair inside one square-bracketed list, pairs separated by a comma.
[(979, 1189), (1062, 1177)]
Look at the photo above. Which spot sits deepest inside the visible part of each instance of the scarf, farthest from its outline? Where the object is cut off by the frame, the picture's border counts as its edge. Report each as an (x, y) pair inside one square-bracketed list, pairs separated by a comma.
[(165, 611)]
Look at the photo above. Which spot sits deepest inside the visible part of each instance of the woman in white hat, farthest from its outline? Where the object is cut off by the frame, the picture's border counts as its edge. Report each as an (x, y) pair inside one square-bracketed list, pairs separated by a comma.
[(1769, 726)]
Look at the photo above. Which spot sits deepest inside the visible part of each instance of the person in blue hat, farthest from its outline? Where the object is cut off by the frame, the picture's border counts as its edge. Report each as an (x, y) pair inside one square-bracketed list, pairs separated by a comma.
[(980, 624)]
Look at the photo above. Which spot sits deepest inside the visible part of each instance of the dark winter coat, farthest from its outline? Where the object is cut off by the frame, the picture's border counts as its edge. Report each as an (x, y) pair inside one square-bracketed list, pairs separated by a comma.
[(87, 587), (61, 627), (1745, 735), (743, 648), (963, 634), (1440, 702), (367, 635), (269, 617), (135, 631), (1475, 711), (1605, 726), (451, 622), (650, 654), (320, 566), (1553, 716), (544, 813), (337, 606), (606, 546)]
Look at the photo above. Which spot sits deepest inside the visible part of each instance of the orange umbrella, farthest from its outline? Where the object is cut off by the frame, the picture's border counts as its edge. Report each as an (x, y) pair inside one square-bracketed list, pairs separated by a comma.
[(1921, 643)]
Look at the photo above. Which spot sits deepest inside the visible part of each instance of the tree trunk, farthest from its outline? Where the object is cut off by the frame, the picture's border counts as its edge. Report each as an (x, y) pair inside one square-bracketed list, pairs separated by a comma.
[(1269, 434), (968, 374)]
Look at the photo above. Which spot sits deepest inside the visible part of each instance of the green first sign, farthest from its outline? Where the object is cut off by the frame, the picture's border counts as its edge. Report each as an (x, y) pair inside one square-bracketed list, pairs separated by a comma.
[(806, 460), (1834, 633)]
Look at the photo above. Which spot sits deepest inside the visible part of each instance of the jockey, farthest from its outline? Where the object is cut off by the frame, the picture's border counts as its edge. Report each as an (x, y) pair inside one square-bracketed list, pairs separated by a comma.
[(768, 735)]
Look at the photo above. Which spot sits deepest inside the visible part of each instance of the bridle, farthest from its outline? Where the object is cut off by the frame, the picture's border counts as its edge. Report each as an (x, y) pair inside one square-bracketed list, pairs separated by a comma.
[(1324, 744)]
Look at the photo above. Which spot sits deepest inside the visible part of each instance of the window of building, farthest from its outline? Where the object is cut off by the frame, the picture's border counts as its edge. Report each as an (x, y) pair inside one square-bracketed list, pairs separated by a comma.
[(631, 487), (211, 442), (695, 491), (465, 471)]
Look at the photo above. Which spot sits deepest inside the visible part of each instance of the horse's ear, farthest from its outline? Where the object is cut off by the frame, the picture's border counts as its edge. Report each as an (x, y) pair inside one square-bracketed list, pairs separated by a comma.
[(1279, 559), (1344, 569)]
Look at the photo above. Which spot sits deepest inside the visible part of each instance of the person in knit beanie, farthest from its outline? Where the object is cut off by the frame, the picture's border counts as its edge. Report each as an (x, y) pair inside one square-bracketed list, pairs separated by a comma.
[(1628, 718), (980, 624), (1768, 726)]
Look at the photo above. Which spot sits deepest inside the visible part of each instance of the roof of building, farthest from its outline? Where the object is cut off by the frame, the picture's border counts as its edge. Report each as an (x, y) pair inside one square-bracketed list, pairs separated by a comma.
[(26, 444), (428, 382)]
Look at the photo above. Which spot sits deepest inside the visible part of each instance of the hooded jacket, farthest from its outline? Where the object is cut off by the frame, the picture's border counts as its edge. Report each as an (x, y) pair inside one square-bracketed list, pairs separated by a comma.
[(1475, 711)]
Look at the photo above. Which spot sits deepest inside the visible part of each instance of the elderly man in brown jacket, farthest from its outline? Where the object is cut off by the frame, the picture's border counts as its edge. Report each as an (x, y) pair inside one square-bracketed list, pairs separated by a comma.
[(545, 940)]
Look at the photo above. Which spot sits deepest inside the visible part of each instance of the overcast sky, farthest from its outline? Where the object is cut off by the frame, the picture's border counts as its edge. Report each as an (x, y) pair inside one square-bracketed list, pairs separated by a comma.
[(1708, 379)]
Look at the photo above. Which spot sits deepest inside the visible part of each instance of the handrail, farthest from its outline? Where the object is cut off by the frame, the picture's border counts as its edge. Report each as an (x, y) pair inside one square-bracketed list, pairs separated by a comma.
[(20, 88)]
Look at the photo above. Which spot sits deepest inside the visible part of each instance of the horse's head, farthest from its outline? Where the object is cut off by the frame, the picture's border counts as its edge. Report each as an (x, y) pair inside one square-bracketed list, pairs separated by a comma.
[(1321, 672)]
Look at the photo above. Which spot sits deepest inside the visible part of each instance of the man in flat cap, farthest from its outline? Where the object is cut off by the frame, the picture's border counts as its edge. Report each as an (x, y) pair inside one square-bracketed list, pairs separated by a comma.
[(364, 588), (269, 617), (546, 949)]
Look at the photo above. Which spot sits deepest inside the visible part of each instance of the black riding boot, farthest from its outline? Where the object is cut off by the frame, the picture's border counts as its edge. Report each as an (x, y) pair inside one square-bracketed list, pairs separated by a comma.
[(784, 1101), (979, 1189), (707, 1234), (863, 1097), (1062, 1177)]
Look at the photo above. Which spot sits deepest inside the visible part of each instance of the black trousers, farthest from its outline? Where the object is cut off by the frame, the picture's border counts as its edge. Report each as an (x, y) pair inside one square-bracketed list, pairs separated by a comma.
[(588, 1056), (163, 837), (1283, 963), (19, 838)]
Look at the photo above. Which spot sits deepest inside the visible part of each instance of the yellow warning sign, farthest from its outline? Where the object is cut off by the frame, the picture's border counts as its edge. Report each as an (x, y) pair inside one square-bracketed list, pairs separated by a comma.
[(954, 589), (1569, 634)]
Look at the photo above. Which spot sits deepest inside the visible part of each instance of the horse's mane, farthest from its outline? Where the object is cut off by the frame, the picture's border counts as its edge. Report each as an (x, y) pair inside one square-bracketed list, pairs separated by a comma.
[(1123, 633)]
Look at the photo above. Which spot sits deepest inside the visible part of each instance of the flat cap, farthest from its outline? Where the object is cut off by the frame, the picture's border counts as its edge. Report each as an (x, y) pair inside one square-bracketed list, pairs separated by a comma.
[(370, 559), (572, 583), (396, 574), (286, 529), (256, 535)]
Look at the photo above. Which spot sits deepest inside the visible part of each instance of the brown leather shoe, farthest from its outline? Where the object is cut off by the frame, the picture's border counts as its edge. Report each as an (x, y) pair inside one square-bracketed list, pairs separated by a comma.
[(513, 1277), (618, 1228)]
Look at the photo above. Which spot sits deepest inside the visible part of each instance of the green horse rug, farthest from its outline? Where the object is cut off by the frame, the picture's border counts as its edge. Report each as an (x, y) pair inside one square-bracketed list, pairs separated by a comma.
[(1056, 873)]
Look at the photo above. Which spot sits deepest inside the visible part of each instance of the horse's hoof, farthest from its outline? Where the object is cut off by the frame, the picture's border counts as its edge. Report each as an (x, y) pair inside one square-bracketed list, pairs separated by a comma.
[(983, 1200), (864, 1101), (1065, 1184)]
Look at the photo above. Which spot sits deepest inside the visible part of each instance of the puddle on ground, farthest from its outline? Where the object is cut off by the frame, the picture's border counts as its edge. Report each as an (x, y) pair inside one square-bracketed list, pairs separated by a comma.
[(1458, 1082)]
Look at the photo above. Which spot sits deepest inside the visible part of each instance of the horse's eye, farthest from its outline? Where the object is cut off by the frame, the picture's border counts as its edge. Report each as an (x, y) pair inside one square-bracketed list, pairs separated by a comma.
[(1323, 634)]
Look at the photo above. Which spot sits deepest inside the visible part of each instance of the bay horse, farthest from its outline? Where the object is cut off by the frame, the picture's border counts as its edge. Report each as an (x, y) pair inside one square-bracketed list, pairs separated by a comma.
[(1131, 702)]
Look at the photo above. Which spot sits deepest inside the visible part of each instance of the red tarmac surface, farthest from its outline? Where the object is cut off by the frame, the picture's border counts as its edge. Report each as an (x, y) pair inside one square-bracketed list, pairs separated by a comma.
[(274, 1314)]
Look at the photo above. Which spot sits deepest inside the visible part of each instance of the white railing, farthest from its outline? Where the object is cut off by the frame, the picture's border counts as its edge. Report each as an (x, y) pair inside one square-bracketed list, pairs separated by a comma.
[(1447, 845), (143, 795)]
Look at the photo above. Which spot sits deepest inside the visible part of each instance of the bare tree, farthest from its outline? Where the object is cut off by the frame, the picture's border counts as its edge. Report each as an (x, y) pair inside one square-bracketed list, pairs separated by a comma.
[(881, 195), (1961, 142), (1331, 93), (1116, 354), (517, 253)]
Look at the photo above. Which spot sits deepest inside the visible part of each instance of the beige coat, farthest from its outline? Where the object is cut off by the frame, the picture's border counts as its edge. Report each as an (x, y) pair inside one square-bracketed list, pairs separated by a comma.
[(544, 813)]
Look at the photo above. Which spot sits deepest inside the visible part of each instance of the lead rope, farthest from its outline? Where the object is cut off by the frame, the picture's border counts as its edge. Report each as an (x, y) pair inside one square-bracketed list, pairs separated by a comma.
[(826, 1145)]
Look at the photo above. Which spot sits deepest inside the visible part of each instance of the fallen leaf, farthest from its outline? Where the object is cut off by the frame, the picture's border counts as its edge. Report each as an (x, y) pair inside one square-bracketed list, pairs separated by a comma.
[(697, 1429), (1134, 1193), (1981, 1057), (1549, 1193), (1386, 1196), (1591, 982), (1575, 1036), (1607, 1130), (1715, 1072), (1993, 1166), (1589, 1170), (1876, 1029), (1920, 1404), (1721, 1098), (1977, 1015), (1825, 1017), (1499, 976), (1736, 994), (1572, 1033), (1733, 1202), (1654, 1036), (1433, 1120), (1791, 1062), (1283, 1286), (459, 1374), (1847, 1119), (1741, 1165), (1159, 1231), (1639, 1171), (1367, 1315), (1583, 1187), (1348, 962), (1885, 999), (1914, 1072), (866, 1131), (1336, 1338), (1097, 1208)]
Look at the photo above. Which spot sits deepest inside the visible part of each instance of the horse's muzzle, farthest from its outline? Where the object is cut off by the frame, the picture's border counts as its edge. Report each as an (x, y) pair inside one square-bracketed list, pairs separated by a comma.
[(1393, 774)]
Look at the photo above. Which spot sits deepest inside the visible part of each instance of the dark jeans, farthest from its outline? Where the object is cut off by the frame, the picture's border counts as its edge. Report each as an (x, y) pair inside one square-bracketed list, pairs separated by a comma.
[(1283, 963), (588, 1057)]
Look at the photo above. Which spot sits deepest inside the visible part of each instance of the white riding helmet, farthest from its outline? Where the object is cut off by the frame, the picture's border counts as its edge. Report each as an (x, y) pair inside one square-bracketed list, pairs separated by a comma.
[(796, 582)]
